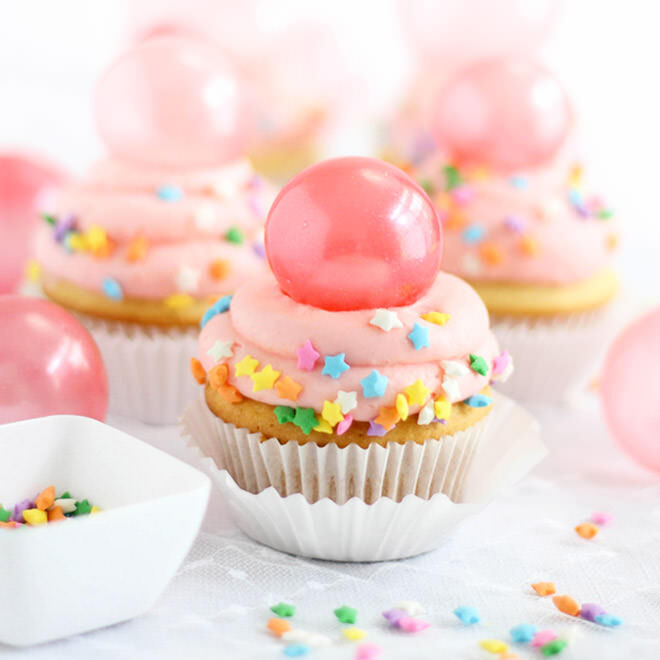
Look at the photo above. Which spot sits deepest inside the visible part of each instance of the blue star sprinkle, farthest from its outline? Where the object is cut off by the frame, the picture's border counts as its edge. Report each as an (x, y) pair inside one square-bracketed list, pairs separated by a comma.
[(473, 233), (335, 365), (373, 385), (419, 336), (170, 193), (478, 401), (112, 289)]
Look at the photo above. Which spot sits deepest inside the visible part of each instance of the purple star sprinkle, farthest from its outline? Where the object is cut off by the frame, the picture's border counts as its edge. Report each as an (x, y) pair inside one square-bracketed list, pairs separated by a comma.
[(255, 206), (376, 429), (17, 515), (439, 421), (590, 611), (514, 223), (394, 616), (63, 227), (259, 249)]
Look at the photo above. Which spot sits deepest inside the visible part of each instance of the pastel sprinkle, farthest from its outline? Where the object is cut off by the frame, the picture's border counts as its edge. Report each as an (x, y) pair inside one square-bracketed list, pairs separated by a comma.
[(323, 427), (478, 401), (284, 414), (417, 393), (5, 514), (246, 366), (394, 615), (467, 615), (514, 223), (83, 507), (295, 650), (528, 245), (442, 408), (264, 379), (567, 605), (35, 517), (112, 289), (335, 365), (419, 337), (64, 227), (523, 633), (283, 610), (137, 249), (385, 320), (287, 388), (601, 519), (373, 385), (519, 182), (436, 317), (278, 626), (410, 607), (218, 376), (473, 234), (234, 235), (388, 416), (346, 614), (491, 253), (368, 652), (219, 269), (219, 307), (49, 219), (411, 625), (453, 177), (331, 413), (542, 637), (307, 356), (33, 270), (454, 369), (305, 419), (179, 300), (462, 194), (478, 364), (493, 645), (354, 634), (427, 414), (608, 620), (544, 588), (221, 350), (347, 401), (402, 408), (344, 425), (376, 430), (586, 530), (589, 611), (554, 647), (45, 499), (170, 193)]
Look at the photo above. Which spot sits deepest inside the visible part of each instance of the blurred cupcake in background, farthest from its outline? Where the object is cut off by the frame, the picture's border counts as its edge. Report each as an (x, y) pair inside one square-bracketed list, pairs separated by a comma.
[(521, 223), (169, 223)]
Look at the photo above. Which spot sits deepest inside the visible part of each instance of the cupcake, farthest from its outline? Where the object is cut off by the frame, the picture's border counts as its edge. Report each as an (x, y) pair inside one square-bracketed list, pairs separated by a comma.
[(169, 223), (521, 223), (355, 369)]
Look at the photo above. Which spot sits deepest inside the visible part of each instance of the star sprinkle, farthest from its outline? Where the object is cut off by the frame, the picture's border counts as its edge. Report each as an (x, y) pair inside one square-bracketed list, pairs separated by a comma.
[(454, 369), (528, 245), (376, 430), (230, 394), (514, 223), (137, 249), (283, 610), (287, 388), (346, 614), (284, 414), (402, 407), (467, 615), (387, 417), (543, 637), (112, 289), (33, 270), (354, 634), (395, 615), (234, 235), (567, 605), (219, 269), (64, 227), (587, 530), (473, 234), (493, 646), (205, 218), (601, 518), (187, 279), (462, 195), (246, 366), (436, 317), (386, 320), (344, 425), (417, 393), (589, 611), (305, 419), (426, 415), (544, 588), (335, 365), (419, 337), (523, 633), (608, 620), (453, 177), (220, 306), (307, 356), (347, 401), (179, 300), (170, 193), (410, 607), (278, 626), (220, 350), (323, 427), (264, 379), (478, 401), (442, 408), (331, 413), (478, 364), (410, 625), (197, 371), (451, 388), (218, 376), (502, 367), (491, 254), (373, 385), (519, 182), (554, 647)]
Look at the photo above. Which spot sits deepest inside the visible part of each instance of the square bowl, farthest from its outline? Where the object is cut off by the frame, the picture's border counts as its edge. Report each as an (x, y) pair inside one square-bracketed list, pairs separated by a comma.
[(91, 571)]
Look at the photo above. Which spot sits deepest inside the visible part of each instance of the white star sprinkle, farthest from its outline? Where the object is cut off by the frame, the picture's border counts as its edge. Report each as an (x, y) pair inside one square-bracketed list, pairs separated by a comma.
[(410, 607), (450, 386), (300, 636), (205, 217), (187, 279), (551, 208), (470, 265), (224, 188), (221, 349), (454, 369), (386, 320), (427, 414), (347, 401)]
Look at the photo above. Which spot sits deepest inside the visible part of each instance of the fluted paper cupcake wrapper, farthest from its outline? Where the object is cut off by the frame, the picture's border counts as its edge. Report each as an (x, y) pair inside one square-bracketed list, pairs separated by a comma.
[(148, 368), (356, 530), (555, 358)]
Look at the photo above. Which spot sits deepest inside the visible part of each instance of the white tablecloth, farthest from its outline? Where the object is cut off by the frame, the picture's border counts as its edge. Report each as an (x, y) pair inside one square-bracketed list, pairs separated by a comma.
[(218, 604)]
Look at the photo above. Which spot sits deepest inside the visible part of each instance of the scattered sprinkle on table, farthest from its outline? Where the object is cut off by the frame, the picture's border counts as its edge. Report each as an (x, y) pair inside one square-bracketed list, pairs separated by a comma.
[(467, 615), (346, 614), (601, 519), (544, 588), (567, 605), (554, 647), (368, 652), (523, 633), (586, 530), (411, 625), (283, 610), (354, 634), (493, 645), (295, 650), (278, 626)]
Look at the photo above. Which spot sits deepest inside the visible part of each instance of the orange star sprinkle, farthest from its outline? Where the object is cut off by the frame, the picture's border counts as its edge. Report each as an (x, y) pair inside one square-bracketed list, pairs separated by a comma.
[(612, 241), (219, 269), (197, 371), (218, 376), (528, 246), (544, 588), (388, 417), (456, 221), (491, 254), (230, 394), (45, 498), (566, 605), (137, 249), (287, 388), (587, 530), (278, 626), (56, 513)]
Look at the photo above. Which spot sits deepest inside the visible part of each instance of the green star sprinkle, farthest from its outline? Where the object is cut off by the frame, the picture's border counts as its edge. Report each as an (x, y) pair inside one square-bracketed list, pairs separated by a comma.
[(50, 219), (5, 515), (604, 214), (284, 414), (305, 419), (83, 507), (554, 647), (234, 235), (478, 364), (66, 495), (428, 186), (453, 177), (346, 614), (284, 610)]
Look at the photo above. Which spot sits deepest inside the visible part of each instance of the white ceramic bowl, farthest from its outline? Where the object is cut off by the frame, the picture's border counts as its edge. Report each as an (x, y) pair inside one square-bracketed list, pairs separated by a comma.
[(91, 571)]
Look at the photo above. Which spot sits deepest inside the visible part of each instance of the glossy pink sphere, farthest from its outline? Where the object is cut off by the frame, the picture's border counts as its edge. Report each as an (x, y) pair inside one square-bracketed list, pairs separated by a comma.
[(630, 389), (353, 233), (173, 101), (25, 186), (49, 363), (506, 113)]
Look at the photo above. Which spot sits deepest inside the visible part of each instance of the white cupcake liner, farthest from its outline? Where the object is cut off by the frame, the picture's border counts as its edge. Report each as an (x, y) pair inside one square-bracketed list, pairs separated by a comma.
[(148, 368), (555, 358), (385, 529)]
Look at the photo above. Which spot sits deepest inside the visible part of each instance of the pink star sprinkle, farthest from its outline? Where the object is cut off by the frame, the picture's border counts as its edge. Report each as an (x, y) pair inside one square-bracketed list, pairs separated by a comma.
[(344, 425), (462, 195), (501, 362), (410, 625), (307, 356), (601, 518), (368, 652), (543, 637)]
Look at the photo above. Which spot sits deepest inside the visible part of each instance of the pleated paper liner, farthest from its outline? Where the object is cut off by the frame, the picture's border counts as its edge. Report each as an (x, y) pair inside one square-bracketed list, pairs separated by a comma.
[(411, 515)]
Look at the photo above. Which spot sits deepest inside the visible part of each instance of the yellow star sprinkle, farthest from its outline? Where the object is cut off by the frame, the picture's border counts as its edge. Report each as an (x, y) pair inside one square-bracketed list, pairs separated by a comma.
[(442, 408), (33, 270), (493, 645), (246, 366), (331, 413), (417, 393), (401, 405), (179, 300), (354, 634), (323, 427), (264, 379), (436, 317), (76, 242), (96, 238)]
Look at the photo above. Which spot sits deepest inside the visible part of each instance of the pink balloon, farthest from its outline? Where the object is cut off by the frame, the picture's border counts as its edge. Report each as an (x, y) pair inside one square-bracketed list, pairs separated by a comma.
[(173, 101), (353, 233), (630, 389), (25, 185), (49, 363), (507, 113)]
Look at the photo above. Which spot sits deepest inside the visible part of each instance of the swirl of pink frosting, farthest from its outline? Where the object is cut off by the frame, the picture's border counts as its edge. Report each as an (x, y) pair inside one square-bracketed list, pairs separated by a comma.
[(269, 326), (538, 227), (184, 236)]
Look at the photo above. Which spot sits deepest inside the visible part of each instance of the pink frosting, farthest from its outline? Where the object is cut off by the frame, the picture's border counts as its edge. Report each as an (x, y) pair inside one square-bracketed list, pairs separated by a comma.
[(269, 326), (187, 234), (570, 245)]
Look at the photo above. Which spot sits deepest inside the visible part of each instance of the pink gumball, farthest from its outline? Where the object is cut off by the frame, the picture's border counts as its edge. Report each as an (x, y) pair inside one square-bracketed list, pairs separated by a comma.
[(353, 233), (49, 363), (506, 113), (25, 186), (173, 101), (630, 389)]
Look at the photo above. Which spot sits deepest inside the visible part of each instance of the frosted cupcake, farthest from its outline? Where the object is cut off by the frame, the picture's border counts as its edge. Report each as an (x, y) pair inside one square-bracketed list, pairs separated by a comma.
[(521, 223), (357, 370), (172, 221)]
